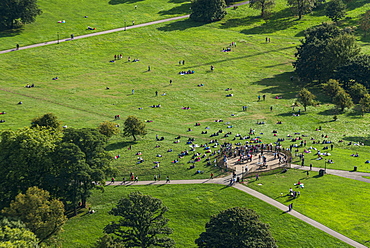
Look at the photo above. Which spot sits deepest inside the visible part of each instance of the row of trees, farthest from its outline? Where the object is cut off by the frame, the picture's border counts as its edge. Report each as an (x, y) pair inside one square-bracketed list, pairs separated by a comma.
[(69, 163), (356, 94), (142, 224)]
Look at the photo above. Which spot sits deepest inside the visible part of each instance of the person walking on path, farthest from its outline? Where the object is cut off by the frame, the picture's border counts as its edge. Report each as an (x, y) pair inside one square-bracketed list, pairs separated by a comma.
[(211, 175), (136, 179), (112, 180), (17, 46), (290, 207), (124, 180), (310, 167), (168, 179), (72, 36), (155, 178)]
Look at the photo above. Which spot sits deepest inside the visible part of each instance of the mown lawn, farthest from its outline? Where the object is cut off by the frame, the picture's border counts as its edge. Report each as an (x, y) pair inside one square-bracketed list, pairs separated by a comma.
[(338, 203), (190, 208)]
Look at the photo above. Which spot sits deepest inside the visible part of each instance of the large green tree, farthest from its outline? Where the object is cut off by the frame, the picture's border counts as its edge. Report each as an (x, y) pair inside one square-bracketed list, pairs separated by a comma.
[(335, 10), (108, 128), (41, 214), (48, 120), (236, 227), (133, 127), (342, 100), (331, 88), (357, 69), (207, 10), (306, 98), (357, 91), (264, 5), (142, 222), (14, 13), (301, 7), (14, 234), (80, 162), (365, 104), (25, 160), (324, 49)]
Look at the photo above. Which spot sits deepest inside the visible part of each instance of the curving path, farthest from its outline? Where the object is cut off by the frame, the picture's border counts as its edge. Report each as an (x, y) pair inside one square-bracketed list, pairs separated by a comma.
[(225, 181)]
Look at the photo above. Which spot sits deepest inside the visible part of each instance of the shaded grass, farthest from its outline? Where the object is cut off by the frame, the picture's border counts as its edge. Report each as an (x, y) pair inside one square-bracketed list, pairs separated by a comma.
[(190, 208), (338, 203)]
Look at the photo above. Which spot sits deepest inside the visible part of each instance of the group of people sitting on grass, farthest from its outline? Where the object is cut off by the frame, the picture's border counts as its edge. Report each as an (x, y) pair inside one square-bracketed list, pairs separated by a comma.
[(186, 72)]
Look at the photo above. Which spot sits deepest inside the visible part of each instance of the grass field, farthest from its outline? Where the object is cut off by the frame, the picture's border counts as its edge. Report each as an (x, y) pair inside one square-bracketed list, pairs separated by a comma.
[(254, 68), (80, 99), (338, 203), (190, 208)]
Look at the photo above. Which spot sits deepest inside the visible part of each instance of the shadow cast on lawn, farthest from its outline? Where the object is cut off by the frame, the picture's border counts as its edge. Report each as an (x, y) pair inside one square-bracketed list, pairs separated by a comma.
[(119, 145), (280, 85), (180, 25), (353, 139), (240, 57), (115, 2), (178, 10), (10, 32), (279, 21)]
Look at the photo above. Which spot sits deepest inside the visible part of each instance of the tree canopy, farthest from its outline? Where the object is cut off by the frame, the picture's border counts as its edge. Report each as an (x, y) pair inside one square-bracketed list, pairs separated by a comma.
[(108, 128), (133, 126), (47, 120), (357, 69), (41, 214), (365, 104), (325, 48), (236, 227), (14, 234), (342, 100), (301, 7), (306, 98), (14, 13), (142, 223), (335, 10), (357, 91), (207, 10), (264, 5)]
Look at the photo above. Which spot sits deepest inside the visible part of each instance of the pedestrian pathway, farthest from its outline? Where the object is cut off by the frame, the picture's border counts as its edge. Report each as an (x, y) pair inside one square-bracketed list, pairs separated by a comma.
[(106, 31), (226, 181)]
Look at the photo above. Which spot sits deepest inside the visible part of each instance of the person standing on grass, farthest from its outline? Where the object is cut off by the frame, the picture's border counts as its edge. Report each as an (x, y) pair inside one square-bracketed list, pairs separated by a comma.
[(133, 91), (257, 177)]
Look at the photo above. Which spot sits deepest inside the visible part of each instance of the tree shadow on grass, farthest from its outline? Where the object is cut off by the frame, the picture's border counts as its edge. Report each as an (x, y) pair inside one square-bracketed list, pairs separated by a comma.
[(353, 139), (180, 25), (10, 32), (327, 112), (240, 57), (119, 145), (236, 22), (178, 10), (290, 114), (279, 21), (115, 2), (178, 1), (280, 85)]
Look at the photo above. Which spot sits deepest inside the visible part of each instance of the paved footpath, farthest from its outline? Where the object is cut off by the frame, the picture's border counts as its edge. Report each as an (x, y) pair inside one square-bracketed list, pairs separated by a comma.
[(225, 181), (107, 31)]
